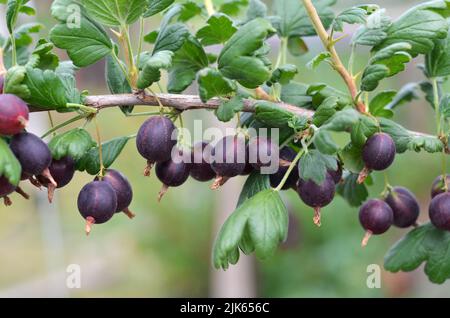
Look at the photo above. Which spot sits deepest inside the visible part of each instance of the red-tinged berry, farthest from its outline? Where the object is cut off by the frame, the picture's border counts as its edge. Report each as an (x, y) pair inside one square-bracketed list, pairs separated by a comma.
[(378, 154), (438, 186), (62, 171), (287, 154), (405, 207), (13, 114), (315, 195), (155, 140), (376, 217), (122, 188), (97, 203), (439, 211), (201, 162), (172, 173)]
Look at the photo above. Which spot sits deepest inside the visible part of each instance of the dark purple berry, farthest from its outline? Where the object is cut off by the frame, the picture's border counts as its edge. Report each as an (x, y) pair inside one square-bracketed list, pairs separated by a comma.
[(376, 217), (404, 206), (172, 173), (336, 174), (97, 203), (201, 162), (122, 188), (2, 82), (13, 114), (439, 211), (155, 140), (316, 196), (228, 159), (438, 186), (261, 150), (62, 172), (33, 154), (248, 166), (379, 152), (5, 187), (287, 154)]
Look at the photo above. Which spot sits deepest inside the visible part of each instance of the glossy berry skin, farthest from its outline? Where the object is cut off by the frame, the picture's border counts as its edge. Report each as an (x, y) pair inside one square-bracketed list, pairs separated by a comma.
[(336, 174), (121, 187), (260, 152), (5, 187), (248, 166), (229, 157), (315, 195), (439, 211), (97, 200), (33, 154), (62, 171), (376, 216), (438, 185), (13, 114), (154, 139), (379, 152), (287, 154), (404, 205), (200, 162), (172, 173)]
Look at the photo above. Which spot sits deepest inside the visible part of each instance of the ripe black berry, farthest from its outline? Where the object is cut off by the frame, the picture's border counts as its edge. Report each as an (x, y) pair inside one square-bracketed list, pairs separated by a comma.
[(260, 152), (378, 154), (200, 162), (376, 217), (154, 140), (2, 82), (404, 206), (13, 114), (316, 196), (62, 172), (287, 154), (122, 188), (228, 159), (6, 188), (439, 211), (336, 174), (33, 154), (438, 186), (172, 173), (248, 166), (97, 203)]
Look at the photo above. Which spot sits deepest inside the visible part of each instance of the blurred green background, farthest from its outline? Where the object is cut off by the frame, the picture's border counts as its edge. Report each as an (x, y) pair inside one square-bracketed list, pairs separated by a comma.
[(166, 250)]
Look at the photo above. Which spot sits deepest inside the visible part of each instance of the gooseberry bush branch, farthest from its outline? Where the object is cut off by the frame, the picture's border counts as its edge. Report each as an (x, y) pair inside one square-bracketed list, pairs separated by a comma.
[(223, 51)]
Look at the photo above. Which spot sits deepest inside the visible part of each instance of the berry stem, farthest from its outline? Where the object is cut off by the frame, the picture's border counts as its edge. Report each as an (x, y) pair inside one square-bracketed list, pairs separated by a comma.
[(2, 64), (366, 238), (328, 43), (74, 119), (100, 150), (141, 40)]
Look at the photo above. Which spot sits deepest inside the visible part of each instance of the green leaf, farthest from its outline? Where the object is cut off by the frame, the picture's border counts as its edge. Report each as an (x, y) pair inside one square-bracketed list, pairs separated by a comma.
[(14, 82), (229, 108), (232, 7), (14, 7), (261, 221), (342, 120), (354, 15), (364, 128), (65, 10), (393, 56), (296, 94), (283, 74), (9, 165), (314, 165), (115, 12), (351, 156), (292, 19), (237, 59), (375, 30), (43, 57), (423, 244), (296, 46), (150, 70), (437, 62), (189, 10), (325, 143), (352, 191), (156, 6), (420, 27), (254, 184), (256, 9), (186, 62), (444, 107), (318, 59), (22, 34), (378, 104), (319, 92), (171, 38), (272, 115), (372, 76), (213, 84), (73, 143), (325, 111), (116, 80), (85, 45), (110, 151), (46, 88), (219, 29), (406, 94)]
